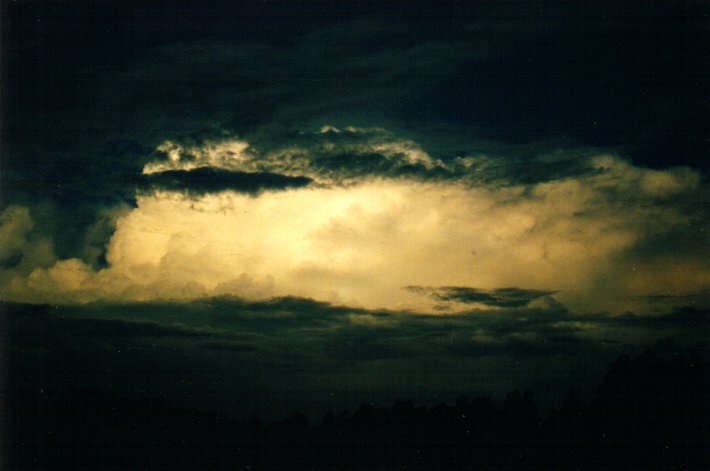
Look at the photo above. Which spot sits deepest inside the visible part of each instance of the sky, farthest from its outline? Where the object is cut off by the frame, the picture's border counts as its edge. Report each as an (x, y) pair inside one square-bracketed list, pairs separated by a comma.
[(320, 202)]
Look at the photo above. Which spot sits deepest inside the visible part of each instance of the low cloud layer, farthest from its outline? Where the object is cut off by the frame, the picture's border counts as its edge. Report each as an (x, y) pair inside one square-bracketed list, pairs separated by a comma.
[(239, 356), (288, 325)]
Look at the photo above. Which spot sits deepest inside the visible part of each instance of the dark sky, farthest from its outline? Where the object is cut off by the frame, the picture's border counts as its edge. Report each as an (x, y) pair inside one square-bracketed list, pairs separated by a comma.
[(373, 198)]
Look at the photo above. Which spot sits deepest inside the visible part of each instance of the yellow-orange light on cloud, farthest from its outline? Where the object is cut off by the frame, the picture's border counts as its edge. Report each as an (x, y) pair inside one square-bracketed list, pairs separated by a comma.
[(362, 243)]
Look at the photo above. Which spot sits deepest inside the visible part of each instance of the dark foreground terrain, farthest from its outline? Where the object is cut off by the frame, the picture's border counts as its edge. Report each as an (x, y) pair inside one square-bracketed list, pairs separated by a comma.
[(648, 413)]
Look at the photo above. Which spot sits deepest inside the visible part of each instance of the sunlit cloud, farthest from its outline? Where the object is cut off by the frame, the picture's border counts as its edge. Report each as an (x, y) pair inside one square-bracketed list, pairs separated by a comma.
[(329, 155), (370, 227)]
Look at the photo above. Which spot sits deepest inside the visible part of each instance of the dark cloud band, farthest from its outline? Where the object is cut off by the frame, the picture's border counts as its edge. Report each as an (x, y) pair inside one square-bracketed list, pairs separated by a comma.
[(206, 180), (501, 297)]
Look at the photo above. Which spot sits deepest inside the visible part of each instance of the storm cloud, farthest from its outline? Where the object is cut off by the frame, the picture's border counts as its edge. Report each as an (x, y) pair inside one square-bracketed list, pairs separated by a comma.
[(603, 238), (292, 199)]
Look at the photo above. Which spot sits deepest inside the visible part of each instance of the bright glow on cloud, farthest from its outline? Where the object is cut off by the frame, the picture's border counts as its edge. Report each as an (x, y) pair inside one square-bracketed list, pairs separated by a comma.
[(361, 244), (228, 155), (328, 156)]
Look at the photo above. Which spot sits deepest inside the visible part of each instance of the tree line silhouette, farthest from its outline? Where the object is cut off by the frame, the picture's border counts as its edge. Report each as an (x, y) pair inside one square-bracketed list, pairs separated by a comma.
[(648, 413)]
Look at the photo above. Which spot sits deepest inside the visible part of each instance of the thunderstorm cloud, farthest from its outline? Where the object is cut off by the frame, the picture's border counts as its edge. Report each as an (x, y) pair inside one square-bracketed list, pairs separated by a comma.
[(281, 196)]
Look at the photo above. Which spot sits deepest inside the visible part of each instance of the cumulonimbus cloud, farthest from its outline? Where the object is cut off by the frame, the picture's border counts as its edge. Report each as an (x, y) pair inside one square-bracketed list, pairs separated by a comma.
[(380, 214)]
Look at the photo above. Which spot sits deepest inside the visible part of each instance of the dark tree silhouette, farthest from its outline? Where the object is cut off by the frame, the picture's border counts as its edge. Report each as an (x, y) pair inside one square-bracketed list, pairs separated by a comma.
[(649, 413)]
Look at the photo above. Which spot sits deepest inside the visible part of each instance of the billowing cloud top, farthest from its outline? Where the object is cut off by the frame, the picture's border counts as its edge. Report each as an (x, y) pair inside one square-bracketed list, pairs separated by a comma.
[(367, 218)]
